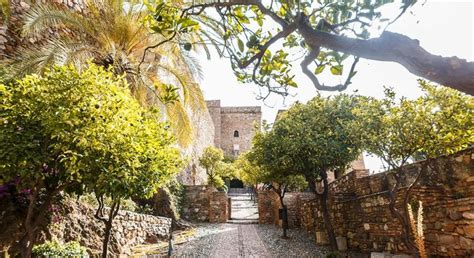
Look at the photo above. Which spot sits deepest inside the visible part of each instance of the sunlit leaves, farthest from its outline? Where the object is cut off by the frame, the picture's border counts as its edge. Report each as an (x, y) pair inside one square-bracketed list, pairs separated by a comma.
[(243, 29), (319, 69), (309, 139), (166, 20), (83, 128), (336, 70), (399, 130), (212, 159), (240, 43)]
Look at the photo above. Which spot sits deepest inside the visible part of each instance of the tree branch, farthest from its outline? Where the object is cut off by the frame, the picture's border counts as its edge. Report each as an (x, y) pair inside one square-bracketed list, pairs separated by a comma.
[(282, 34), (393, 47)]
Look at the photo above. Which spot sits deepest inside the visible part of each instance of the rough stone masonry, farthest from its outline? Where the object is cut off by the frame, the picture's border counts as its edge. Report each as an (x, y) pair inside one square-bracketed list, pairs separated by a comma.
[(359, 209)]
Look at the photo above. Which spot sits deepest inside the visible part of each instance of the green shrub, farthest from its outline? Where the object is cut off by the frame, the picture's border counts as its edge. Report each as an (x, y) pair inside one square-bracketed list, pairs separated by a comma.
[(90, 199), (55, 249), (176, 193)]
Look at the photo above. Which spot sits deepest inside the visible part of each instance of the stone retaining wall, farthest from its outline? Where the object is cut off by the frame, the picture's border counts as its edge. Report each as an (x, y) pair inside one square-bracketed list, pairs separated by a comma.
[(75, 221), (129, 229), (359, 209), (203, 203)]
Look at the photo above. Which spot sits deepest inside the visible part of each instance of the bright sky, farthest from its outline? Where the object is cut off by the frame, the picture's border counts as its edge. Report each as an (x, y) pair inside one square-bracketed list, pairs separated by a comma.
[(443, 27)]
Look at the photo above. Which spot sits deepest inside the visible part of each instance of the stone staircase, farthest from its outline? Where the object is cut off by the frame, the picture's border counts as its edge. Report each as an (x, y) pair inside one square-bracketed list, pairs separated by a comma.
[(244, 210)]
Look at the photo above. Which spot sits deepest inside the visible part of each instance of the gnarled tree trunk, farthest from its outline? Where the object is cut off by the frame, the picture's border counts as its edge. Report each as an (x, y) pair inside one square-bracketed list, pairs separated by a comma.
[(323, 197)]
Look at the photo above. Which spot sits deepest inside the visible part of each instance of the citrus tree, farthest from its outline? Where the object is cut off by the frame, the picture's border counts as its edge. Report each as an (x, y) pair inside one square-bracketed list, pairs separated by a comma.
[(249, 172), (400, 131), (310, 140), (263, 167), (114, 34), (211, 160), (262, 40), (80, 132)]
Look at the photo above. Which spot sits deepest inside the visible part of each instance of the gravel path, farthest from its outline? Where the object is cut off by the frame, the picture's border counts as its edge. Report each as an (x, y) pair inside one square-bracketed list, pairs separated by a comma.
[(247, 240), (299, 244)]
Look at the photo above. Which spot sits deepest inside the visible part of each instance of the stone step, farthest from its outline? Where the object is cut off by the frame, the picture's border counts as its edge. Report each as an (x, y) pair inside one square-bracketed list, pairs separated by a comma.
[(243, 221), (238, 190)]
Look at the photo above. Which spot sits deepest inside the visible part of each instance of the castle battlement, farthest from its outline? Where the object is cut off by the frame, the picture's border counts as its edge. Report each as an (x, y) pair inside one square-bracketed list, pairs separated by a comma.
[(249, 109), (213, 103)]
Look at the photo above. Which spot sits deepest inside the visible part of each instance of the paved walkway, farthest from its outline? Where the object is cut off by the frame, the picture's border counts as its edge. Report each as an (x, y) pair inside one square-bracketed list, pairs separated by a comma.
[(239, 240), (248, 240), (242, 237)]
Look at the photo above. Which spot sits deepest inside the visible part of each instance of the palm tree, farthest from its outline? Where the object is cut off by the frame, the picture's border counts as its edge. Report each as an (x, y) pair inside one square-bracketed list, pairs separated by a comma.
[(112, 33)]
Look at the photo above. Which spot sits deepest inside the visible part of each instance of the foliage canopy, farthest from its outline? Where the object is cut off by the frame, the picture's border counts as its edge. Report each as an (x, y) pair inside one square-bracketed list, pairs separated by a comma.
[(79, 132), (263, 39)]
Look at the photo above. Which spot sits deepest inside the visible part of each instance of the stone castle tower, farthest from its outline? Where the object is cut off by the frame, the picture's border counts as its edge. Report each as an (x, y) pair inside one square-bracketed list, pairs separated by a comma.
[(234, 127)]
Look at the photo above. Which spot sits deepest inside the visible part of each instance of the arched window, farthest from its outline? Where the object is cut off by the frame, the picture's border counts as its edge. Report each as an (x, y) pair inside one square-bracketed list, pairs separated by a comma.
[(236, 133)]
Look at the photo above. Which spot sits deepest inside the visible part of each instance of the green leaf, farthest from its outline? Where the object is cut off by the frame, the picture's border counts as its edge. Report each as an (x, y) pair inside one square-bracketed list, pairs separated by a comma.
[(320, 69), (336, 70), (240, 44)]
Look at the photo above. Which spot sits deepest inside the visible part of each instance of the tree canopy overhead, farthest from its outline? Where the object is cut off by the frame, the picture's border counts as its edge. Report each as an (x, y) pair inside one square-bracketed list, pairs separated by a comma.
[(263, 38)]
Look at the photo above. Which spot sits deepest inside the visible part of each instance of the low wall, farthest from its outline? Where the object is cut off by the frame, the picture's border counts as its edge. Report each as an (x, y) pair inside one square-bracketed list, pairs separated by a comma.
[(203, 203), (74, 221), (268, 205), (359, 209), (129, 229)]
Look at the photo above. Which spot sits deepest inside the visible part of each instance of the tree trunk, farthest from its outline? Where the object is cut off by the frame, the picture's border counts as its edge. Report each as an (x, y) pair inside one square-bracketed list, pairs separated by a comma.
[(323, 197), (107, 222), (108, 226), (27, 243), (327, 218), (284, 217), (393, 47), (35, 217), (28, 239), (402, 218), (105, 243)]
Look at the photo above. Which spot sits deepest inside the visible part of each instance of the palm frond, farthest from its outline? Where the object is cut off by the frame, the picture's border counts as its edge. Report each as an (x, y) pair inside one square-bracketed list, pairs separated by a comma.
[(183, 78), (35, 60), (42, 17), (114, 36), (180, 123), (193, 64)]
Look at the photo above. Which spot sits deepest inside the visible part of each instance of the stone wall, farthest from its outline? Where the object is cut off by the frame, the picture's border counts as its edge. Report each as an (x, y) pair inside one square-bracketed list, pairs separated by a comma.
[(361, 218), (75, 221), (218, 207), (268, 205), (239, 119), (202, 203), (227, 120), (129, 229), (214, 107)]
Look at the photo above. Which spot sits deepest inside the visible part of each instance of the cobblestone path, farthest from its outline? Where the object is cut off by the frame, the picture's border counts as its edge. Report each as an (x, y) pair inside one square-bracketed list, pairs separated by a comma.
[(242, 237), (248, 240), (240, 240), (224, 240)]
